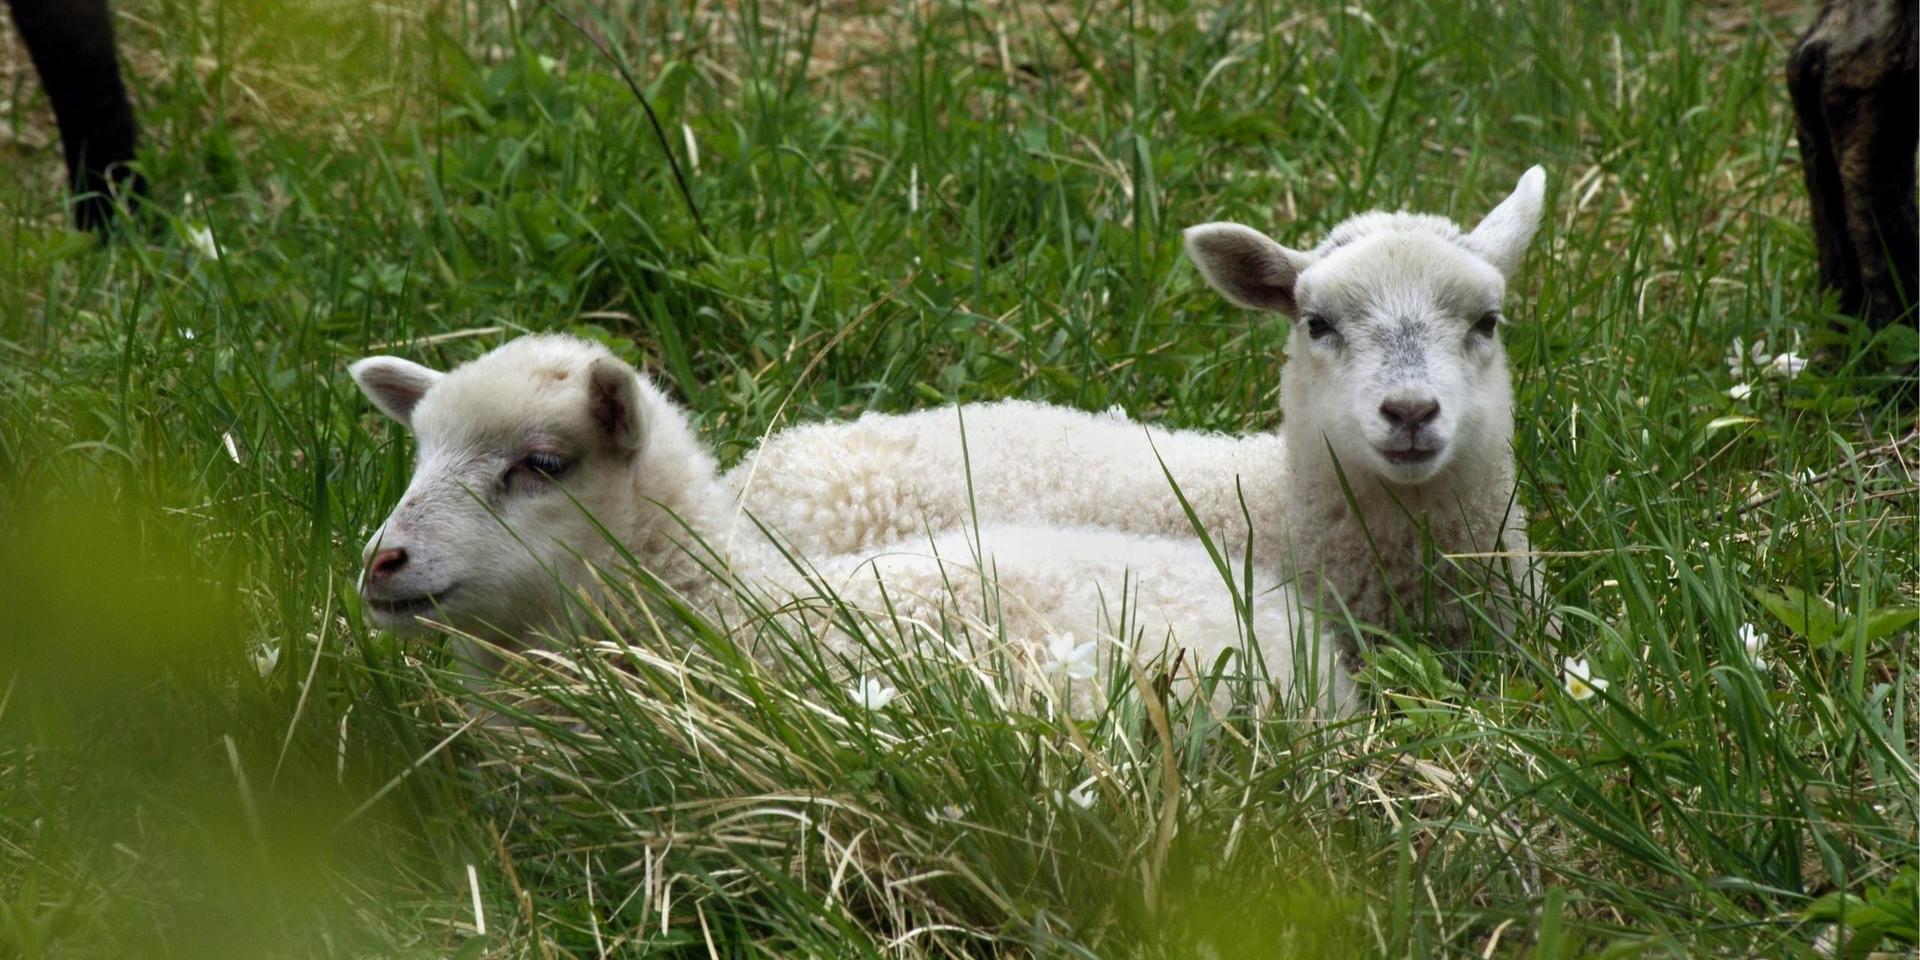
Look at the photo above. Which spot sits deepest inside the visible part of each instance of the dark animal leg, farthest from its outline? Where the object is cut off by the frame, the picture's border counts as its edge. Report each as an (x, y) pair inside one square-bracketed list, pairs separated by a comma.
[(71, 42), (1856, 102), (1806, 69)]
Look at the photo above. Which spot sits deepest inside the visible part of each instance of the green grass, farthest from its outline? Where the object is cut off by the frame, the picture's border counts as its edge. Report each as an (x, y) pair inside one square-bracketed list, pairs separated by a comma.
[(933, 203)]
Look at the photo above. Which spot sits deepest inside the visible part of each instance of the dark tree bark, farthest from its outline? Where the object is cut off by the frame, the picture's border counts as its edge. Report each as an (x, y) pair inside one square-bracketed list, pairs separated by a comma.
[(1853, 83), (71, 42)]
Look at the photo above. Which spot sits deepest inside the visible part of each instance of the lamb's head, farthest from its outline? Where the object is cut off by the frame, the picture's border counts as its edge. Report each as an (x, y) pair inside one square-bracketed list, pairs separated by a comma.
[(520, 451), (1395, 356)]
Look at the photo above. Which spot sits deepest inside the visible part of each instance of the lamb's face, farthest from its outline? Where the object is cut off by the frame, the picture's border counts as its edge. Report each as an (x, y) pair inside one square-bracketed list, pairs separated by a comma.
[(1395, 357), (518, 451)]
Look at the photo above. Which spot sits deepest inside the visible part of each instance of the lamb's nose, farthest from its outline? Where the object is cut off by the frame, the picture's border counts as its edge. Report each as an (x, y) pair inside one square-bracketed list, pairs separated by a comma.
[(1410, 414), (386, 563)]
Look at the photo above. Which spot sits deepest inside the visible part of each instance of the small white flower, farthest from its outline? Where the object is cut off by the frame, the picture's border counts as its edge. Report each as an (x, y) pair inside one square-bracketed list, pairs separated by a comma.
[(265, 658), (186, 333), (202, 240), (1741, 359), (1075, 661), (1740, 391), (872, 694), (1082, 795), (1806, 476), (1744, 362), (1755, 641), (953, 811), (1580, 682)]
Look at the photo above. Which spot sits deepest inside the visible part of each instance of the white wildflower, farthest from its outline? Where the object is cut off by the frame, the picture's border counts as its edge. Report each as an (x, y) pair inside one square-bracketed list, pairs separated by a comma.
[(265, 658), (201, 239), (1740, 391), (186, 333), (1755, 641), (1082, 795), (1069, 659), (1786, 365), (1581, 684), (1741, 360), (1745, 363), (872, 694)]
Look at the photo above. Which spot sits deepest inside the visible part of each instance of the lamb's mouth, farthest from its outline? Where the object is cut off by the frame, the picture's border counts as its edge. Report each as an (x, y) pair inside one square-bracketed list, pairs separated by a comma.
[(1410, 456), (409, 606)]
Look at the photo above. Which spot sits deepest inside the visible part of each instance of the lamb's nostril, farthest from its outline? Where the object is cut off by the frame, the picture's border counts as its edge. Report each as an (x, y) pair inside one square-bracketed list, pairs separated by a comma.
[(1410, 414), (386, 563)]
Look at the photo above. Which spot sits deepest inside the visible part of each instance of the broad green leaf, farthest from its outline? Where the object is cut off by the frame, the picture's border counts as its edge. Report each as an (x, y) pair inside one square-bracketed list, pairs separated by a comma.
[(1804, 614), (1887, 621)]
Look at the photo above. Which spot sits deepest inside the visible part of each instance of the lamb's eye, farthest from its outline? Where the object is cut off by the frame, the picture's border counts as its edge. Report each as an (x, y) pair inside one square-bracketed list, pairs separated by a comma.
[(542, 464), (1486, 324), (1318, 327)]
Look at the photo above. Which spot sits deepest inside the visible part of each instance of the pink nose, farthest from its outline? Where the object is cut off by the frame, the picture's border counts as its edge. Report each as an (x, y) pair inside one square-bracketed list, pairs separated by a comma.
[(386, 563)]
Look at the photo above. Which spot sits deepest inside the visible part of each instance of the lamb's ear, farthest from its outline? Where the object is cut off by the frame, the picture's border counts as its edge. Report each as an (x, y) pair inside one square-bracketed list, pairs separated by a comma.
[(394, 385), (1503, 236), (1245, 265), (613, 401)]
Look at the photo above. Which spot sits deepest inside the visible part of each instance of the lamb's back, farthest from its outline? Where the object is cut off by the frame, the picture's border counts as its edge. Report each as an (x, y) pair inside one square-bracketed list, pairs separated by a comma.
[(833, 488)]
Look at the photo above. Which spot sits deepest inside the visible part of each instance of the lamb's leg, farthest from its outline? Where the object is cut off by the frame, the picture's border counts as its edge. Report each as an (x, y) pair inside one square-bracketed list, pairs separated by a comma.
[(71, 42), (1853, 83)]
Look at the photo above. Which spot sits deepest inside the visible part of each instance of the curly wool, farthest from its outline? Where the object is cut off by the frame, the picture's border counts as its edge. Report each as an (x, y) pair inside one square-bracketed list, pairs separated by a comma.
[(1145, 600)]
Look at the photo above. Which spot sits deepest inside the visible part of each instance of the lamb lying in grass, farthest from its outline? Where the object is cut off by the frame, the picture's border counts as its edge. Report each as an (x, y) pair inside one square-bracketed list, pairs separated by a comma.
[(1397, 425), (529, 453)]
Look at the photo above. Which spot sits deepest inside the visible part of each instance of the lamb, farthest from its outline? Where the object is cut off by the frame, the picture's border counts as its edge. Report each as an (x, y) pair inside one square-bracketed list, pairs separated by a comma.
[(1397, 380), (527, 453)]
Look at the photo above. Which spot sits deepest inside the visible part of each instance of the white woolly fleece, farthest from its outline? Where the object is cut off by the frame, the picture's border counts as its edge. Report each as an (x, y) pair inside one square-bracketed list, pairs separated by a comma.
[(482, 537), (1407, 290)]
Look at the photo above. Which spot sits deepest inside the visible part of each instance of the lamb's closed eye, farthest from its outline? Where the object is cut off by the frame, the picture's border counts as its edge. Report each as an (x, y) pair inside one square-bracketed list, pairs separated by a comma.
[(542, 465)]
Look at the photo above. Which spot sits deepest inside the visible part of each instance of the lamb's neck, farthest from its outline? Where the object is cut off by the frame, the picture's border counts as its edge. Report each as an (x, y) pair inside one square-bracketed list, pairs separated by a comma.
[(1372, 551), (683, 523)]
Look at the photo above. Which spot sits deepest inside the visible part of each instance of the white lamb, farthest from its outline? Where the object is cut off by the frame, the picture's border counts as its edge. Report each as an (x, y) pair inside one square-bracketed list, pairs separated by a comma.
[(529, 452), (1396, 378)]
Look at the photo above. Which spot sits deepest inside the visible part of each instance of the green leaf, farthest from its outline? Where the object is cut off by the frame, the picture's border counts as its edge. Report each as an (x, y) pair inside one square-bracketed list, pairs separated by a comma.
[(1803, 614), (1887, 621)]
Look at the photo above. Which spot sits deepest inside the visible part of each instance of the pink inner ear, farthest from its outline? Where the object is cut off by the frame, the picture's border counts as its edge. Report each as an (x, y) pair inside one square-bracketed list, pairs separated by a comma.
[(1245, 265), (610, 402), (394, 385), (609, 412)]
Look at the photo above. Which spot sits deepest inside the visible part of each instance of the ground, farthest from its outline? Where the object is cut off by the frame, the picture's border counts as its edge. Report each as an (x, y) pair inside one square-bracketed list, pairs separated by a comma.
[(203, 752)]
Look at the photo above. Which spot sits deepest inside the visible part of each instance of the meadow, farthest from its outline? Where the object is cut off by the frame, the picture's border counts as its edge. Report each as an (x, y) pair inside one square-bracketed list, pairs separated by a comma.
[(809, 211)]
